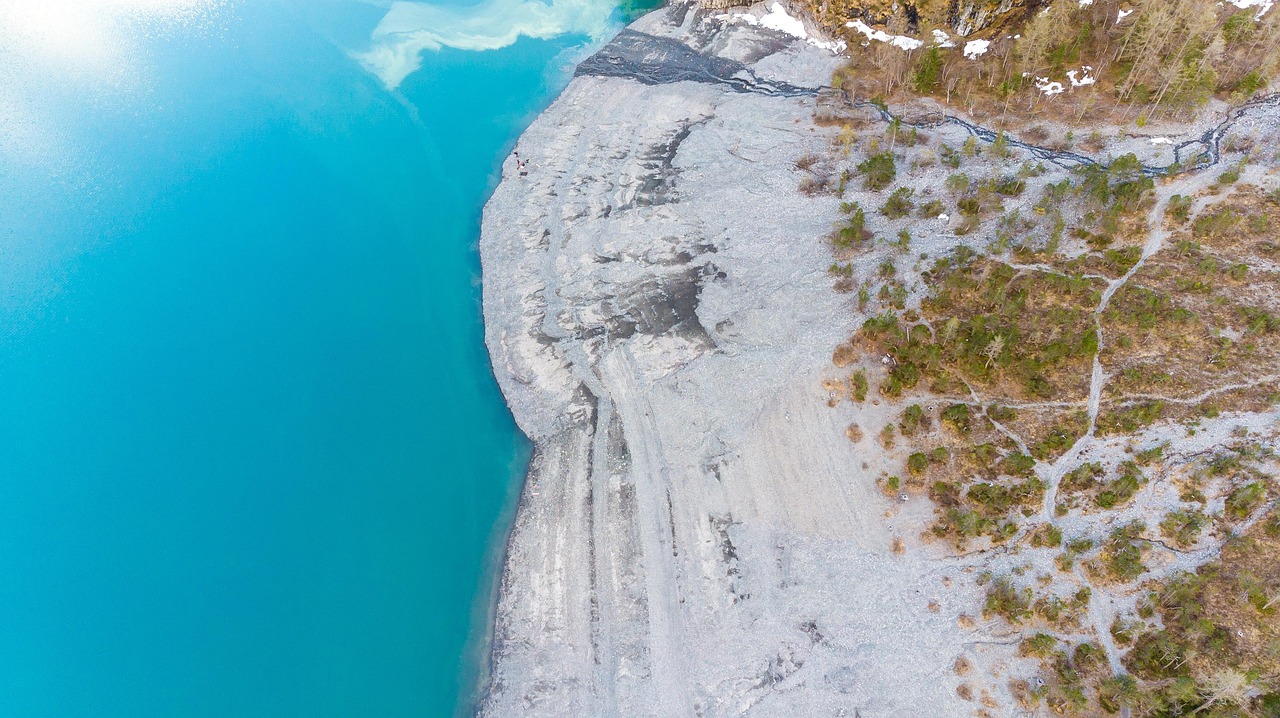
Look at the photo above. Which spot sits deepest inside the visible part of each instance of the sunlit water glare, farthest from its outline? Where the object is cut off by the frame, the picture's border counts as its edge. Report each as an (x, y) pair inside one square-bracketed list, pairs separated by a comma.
[(252, 458)]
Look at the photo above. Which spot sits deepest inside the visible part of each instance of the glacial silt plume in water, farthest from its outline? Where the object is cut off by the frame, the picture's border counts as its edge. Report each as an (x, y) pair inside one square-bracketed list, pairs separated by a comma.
[(409, 29)]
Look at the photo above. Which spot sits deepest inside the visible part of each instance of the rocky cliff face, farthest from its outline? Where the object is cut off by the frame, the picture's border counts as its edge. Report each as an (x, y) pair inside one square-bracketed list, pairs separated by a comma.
[(696, 536), (916, 17), (969, 17)]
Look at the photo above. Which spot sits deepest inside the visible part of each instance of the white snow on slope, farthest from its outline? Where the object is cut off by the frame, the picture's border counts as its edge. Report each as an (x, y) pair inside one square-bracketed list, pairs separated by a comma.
[(1087, 79), (974, 48), (902, 41), (778, 19), (1048, 87), (1262, 5)]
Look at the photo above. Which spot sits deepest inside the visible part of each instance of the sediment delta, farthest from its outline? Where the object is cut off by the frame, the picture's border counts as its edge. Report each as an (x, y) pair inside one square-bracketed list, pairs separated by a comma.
[(696, 535)]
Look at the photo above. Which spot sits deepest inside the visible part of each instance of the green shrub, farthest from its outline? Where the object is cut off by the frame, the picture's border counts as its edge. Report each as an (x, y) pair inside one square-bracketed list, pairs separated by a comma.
[(917, 463), (1041, 645), (1002, 414), (1260, 321), (1216, 223), (1155, 656), (911, 419), (932, 209), (859, 385), (899, 204), (1088, 655), (1122, 489), (1117, 692), (1146, 457), (963, 523), (904, 241), (951, 158), (878, 170), (1000, 147), (1082, 478), (1272, 526), (1007, 601), (1131, 419), (1122, 555), (1245, 499), (1121, 260), (1059, 439), (1047, 536), (928, 74), (1010, 186), (1183, 527), (1017, 464), (855, 230), (957, 415), (995, 500), (958, 182), (1180, 207)]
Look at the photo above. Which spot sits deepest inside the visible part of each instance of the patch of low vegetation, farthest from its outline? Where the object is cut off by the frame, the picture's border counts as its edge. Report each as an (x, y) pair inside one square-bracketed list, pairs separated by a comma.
[(1121, 558), (1183, 527), (1210, 645), (899, 204), (1025, 334), (879, 170), (1204, 642), (853, 233), (985, 360)]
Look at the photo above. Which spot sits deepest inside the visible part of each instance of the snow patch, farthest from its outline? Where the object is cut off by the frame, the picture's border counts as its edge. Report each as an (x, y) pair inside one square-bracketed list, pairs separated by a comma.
[(778, 19), (974, 48), (1087, 79), (942, 39), (1086, 3), (1161, 141), (1048, 87), (1262, 5), (902, 41), (1123, 14)]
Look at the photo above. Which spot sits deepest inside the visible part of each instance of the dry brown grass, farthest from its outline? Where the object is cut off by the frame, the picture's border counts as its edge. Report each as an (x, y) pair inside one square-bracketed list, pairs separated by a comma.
[(1201, 314), (1245, 579)]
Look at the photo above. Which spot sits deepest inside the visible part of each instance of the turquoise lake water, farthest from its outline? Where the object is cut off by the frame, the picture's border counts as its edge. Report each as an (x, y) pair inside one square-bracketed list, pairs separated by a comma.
[(252, 458)]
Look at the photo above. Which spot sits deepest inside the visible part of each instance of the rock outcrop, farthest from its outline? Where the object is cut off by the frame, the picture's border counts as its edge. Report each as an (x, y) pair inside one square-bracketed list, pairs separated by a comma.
[(917, 17), (696, 535)]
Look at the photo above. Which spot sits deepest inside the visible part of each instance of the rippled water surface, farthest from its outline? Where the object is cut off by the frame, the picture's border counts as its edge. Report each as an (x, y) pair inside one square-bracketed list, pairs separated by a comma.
[(252, 458)]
